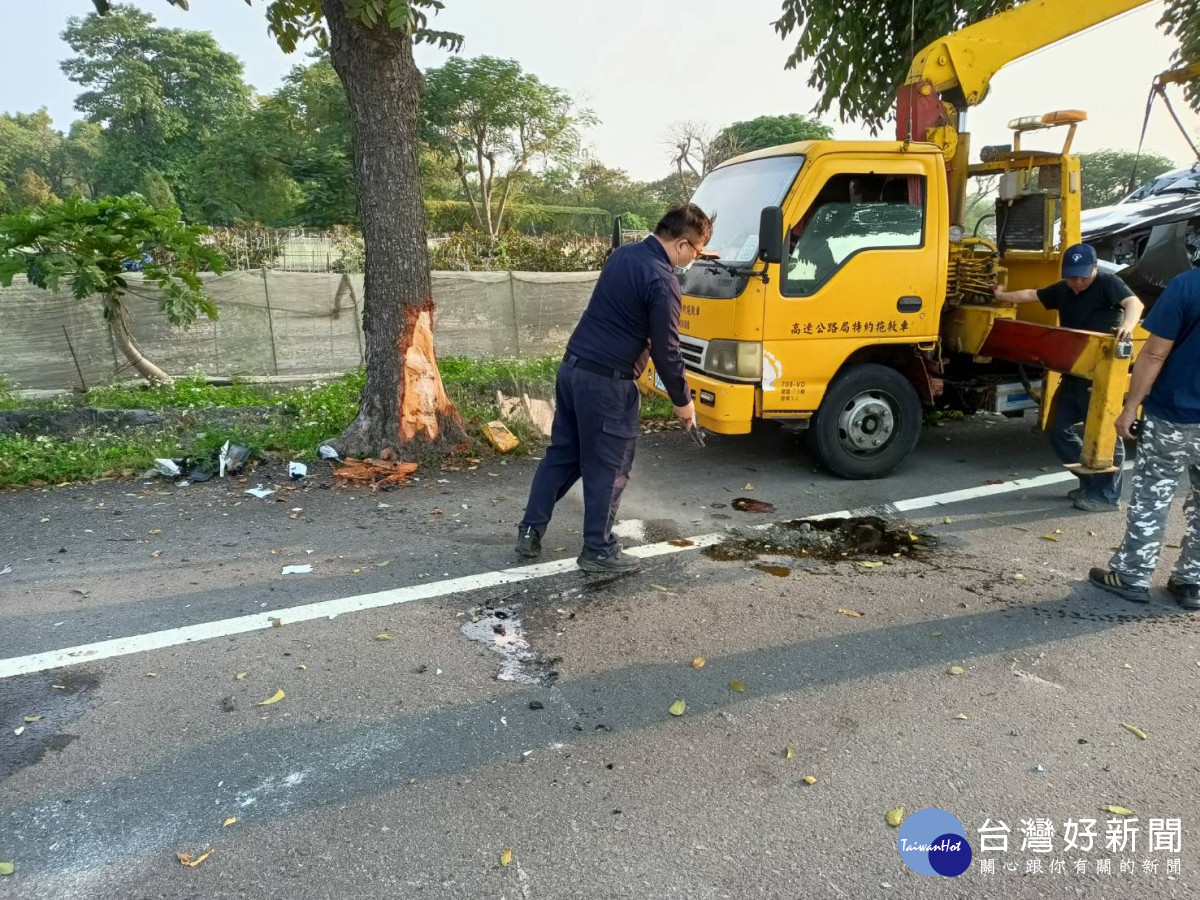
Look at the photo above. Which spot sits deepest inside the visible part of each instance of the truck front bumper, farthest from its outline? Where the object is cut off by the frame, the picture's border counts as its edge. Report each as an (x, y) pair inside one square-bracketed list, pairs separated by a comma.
[(721, 407)]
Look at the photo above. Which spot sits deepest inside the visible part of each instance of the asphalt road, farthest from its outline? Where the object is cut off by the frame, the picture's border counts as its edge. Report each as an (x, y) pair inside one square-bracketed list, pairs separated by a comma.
[(398, 764)]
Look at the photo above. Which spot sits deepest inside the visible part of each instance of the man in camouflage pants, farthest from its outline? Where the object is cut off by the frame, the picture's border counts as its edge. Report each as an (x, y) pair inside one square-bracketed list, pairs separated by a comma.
[(1166, 383)]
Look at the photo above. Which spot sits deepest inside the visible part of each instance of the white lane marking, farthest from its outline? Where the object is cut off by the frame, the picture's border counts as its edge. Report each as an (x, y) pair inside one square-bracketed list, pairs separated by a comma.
[(189, 634)]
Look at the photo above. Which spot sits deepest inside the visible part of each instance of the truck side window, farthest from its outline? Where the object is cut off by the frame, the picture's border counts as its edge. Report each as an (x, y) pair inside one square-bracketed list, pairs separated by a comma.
[(853, 212)]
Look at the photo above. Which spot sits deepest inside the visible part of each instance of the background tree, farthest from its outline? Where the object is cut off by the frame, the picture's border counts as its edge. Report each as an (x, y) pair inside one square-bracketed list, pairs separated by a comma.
[(160, 93), (696, 149), (94, 243), (860, 50), (494, 120), (773, 131), (1106, 174)]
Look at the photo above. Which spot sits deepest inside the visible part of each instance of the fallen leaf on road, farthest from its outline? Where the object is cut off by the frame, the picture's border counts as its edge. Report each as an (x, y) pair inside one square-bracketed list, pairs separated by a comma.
[(682, 543), (894, 816), (808, 779), (749, 486), (274, 698), (936, 633), (19, 731), (914, 538), (962, 716), (789, 753), (32, 719), (678, 708), (156, 554), (81, 593), (384, 563), (240, 676), (186, 858), (948, 520), (875, 564), (954, 670), (506, 856), (994, 481), (1118, 810), (1018, 576), (7, 868), (1127, 666), (1133, 729), (302, 667), (737, 687), (1049, 537), (436, 512), (151, 674), (230, 821), (276, 623), (155, 531), (659, 587), (699, 661), (854, 613), (59, 687), (384, 637)]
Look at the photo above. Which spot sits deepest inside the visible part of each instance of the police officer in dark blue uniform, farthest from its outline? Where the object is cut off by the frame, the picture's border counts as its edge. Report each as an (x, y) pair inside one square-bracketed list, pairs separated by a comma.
[(633, 314)]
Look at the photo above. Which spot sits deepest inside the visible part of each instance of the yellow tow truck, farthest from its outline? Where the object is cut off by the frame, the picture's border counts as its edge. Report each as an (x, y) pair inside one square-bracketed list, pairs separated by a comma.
[(847, 296)]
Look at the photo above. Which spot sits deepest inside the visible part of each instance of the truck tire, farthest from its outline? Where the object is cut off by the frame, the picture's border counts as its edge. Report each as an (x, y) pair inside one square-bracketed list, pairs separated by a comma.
[(868, 423)]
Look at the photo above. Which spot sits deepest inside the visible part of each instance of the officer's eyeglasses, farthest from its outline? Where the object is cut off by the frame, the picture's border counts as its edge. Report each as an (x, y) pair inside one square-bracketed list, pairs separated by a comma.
[(695, 253)]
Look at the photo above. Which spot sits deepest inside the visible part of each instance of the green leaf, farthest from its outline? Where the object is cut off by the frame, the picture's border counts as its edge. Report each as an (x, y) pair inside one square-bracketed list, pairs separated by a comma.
[(678, 708), (7, 868)]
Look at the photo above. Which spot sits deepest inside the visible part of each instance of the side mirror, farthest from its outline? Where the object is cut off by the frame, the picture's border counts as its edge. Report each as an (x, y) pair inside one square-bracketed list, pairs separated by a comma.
[(770, 235), (616, 237)]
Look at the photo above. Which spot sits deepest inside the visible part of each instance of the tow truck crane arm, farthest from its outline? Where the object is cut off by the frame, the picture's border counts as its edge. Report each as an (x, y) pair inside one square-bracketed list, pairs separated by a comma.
[(953, 73)]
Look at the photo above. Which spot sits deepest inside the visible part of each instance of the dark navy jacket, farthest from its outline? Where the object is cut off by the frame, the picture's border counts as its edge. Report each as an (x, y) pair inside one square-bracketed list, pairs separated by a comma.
[(634, 313)]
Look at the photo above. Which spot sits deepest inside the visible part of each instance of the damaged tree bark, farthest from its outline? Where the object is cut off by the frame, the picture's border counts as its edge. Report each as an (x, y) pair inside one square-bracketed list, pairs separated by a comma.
[(404, 401)]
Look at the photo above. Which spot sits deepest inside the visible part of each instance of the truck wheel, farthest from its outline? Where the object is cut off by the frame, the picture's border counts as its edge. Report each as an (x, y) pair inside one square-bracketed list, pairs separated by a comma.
[(868, 423)]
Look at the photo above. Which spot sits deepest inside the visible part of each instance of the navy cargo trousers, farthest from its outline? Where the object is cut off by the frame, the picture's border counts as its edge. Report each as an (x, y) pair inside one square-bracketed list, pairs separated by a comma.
[(594, 435)]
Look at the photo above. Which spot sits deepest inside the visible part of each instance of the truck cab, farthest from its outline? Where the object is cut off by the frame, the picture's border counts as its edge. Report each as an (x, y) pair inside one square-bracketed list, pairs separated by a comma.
[(823, 324)]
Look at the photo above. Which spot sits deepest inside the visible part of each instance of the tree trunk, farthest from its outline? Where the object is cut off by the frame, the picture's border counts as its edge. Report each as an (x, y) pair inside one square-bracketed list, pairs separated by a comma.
[(404, 402), (118, 321)]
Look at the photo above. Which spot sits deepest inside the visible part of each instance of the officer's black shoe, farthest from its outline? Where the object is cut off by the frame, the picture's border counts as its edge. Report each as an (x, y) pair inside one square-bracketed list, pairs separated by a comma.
[(529, 544), (1108, 580), (1186, 595), (615, 563)]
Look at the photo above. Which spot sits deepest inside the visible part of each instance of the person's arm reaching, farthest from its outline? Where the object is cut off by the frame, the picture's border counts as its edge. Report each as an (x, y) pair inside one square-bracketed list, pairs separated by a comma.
[(664, 349), (1029, 295), (1145, 371), (1133, 314)]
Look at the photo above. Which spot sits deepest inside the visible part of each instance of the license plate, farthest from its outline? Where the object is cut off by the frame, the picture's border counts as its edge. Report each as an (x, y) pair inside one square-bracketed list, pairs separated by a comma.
[(658, 383)]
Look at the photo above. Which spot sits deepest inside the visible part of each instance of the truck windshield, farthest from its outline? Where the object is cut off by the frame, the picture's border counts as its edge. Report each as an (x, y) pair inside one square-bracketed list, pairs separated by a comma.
[(737, 194)]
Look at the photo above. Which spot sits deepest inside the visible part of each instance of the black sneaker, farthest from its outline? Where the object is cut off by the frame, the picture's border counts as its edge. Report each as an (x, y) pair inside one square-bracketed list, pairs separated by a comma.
[(1186, 595), (1077, 494), (616, 563), (529, 543), (1108, 580)]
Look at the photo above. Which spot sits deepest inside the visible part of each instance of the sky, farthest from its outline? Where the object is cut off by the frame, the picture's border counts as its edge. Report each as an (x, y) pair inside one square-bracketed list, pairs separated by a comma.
[(643, 65)]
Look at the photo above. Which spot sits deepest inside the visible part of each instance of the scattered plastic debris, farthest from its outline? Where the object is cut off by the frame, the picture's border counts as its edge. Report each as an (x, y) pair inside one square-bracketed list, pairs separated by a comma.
[(305, 569), (374, 472), (297, 470), (260, 492), (167, 467), (232, 457), (498, 435), (327, 452)]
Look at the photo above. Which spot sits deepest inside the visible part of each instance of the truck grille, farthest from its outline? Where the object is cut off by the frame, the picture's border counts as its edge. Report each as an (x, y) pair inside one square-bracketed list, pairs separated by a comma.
[(692, 350)]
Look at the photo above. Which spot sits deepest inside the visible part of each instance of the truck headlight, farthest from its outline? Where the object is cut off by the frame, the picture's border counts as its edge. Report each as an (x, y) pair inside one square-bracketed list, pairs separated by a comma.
[(734, 359)]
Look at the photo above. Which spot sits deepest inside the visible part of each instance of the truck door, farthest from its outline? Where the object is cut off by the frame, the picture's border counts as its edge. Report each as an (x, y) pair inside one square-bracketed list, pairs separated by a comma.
[(863, 267)]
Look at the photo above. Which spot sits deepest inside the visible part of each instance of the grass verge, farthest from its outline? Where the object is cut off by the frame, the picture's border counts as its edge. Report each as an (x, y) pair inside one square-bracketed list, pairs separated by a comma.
[(297, 421)]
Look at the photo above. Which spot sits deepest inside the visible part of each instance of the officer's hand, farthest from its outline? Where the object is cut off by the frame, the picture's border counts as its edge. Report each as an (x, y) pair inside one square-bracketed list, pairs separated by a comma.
[(1124, 334), (687, 414), (1125, 423)]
